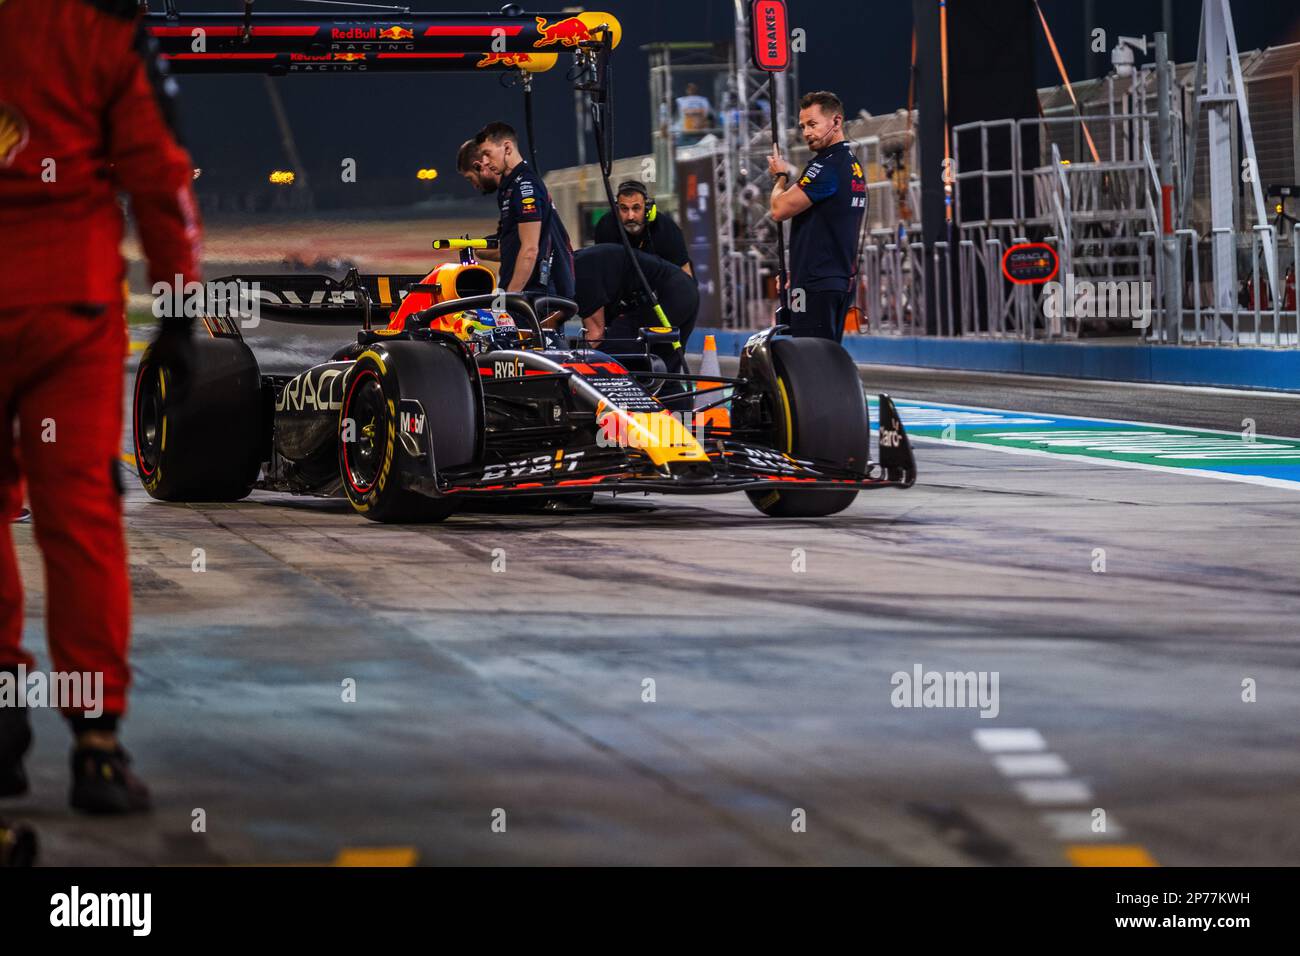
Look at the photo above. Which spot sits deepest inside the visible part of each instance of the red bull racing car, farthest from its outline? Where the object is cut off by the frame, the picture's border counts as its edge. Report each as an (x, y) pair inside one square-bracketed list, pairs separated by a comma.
[(464, 393)]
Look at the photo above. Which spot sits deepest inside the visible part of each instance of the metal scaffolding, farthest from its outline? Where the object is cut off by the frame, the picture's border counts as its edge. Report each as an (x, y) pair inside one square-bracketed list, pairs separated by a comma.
[(747, 249), (738, 145), (1186, 238)]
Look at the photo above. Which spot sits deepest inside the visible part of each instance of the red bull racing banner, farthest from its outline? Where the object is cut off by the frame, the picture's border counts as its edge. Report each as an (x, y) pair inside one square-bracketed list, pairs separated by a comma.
[(279, 43)]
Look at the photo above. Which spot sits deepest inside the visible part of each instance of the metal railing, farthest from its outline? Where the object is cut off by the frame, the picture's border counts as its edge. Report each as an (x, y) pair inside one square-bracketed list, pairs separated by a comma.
[(973, 298), (1104, 220)]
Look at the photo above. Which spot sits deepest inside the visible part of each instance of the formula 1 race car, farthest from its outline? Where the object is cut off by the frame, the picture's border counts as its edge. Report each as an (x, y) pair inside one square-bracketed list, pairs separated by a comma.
[(466, 394)]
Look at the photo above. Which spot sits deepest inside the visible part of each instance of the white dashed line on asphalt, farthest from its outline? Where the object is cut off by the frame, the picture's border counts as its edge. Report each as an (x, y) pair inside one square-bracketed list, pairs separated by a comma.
[(1031, 765), (1080, 825), (1039, 777), (1054, 792), (1009, 740)]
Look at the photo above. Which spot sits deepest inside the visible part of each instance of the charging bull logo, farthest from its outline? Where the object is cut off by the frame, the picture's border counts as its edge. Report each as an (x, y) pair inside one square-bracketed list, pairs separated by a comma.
[(396, 33), (504, 59), (349, 57), (13, 133), (569, 32)]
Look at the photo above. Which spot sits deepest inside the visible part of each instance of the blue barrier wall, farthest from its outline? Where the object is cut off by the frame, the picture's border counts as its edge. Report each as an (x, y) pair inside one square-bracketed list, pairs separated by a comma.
[(1274, 369)]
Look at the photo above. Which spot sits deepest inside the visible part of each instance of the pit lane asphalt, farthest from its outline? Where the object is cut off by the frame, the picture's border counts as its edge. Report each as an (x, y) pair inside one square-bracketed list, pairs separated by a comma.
[(522, 690)]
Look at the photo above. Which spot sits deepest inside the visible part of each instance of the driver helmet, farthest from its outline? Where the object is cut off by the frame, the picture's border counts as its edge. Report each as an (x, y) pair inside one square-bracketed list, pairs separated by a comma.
[(465, 324)]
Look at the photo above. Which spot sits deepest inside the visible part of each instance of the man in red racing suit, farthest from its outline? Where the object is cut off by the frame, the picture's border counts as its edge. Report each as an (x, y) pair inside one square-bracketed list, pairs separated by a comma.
[(85, 112)]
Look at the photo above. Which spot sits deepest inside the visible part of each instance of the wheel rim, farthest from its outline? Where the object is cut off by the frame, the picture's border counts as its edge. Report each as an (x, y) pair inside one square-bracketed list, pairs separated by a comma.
[(150, 420), (363, 455)]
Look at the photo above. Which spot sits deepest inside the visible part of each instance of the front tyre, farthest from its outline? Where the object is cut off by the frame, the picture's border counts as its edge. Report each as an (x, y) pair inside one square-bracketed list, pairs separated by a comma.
[(371, 454), (821, 414)]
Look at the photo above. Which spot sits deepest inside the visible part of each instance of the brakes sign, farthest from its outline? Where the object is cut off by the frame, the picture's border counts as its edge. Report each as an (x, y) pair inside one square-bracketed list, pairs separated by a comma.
[(1030, 263), (771, 35)]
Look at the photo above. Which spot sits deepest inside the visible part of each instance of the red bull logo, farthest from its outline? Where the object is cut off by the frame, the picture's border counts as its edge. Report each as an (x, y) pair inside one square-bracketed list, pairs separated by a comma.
[(349, 57), (396, 33), (568, 32), (504, 59)]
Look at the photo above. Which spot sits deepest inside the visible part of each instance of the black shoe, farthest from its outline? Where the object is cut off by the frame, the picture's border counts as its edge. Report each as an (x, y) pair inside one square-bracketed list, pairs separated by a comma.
[(15, 739), (102, 782)]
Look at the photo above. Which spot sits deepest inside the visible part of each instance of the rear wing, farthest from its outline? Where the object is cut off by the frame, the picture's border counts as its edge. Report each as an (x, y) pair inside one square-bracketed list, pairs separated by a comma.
[(320, 298)]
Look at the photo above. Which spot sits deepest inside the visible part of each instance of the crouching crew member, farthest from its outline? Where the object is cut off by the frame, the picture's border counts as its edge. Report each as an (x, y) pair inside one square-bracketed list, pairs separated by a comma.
[(613, 305)]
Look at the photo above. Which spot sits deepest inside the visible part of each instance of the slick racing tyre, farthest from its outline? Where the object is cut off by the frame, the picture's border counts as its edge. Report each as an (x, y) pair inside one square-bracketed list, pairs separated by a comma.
[(202, 442), (385, 380), (821, 412)]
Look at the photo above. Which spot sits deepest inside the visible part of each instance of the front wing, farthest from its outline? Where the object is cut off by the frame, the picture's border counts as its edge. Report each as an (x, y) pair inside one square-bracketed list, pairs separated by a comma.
[(733, 466)]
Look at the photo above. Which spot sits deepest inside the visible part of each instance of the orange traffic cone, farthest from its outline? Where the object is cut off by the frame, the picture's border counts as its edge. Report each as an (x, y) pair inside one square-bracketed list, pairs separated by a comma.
[(853, 320), (719, 416)]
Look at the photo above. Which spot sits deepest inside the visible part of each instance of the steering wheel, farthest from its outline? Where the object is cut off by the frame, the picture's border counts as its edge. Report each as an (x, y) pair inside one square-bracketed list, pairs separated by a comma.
[(549, 306)]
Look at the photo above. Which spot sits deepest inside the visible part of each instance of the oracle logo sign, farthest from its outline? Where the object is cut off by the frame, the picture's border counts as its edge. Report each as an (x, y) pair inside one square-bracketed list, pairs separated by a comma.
[(1030, 263), (771, 31)]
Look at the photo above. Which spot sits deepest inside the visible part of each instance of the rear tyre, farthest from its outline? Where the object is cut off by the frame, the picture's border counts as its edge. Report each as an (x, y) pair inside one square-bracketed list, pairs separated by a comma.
[(371, 452), (820, 413), (208, 446)]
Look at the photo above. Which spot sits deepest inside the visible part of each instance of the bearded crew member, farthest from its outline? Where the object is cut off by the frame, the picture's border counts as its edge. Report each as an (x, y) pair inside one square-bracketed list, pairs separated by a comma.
[(473, 171), (827, 202), (648, 229)]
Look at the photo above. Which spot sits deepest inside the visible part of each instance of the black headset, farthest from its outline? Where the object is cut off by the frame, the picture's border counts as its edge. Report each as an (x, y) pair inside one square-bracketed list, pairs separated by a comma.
[(636, 186)]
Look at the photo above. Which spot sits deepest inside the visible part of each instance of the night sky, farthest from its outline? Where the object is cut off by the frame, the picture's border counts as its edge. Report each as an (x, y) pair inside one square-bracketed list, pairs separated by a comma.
[(392, 125)]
